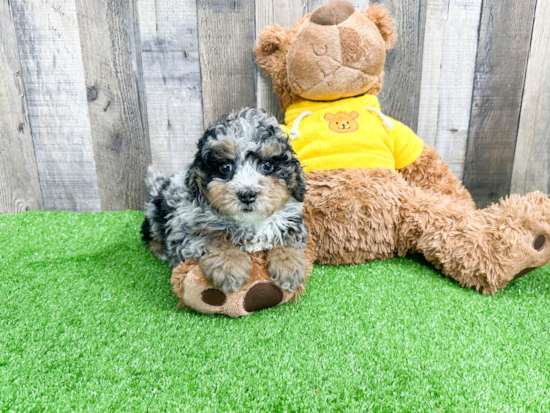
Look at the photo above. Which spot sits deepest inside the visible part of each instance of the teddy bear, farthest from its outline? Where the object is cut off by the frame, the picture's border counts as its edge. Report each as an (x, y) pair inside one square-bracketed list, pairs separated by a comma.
[(374, 189)]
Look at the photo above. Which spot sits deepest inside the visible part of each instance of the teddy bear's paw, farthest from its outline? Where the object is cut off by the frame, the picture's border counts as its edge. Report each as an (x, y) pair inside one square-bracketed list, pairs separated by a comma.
[(262, 295), (227, 271), (287, 267), (538, 245)]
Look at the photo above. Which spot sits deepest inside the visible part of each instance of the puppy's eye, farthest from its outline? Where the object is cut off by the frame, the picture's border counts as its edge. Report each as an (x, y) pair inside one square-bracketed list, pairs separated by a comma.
[(267, 167), (226, 169)]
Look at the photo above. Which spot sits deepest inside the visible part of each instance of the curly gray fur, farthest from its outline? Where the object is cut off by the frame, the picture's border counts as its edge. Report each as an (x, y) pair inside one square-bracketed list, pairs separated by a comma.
[(195, 208)]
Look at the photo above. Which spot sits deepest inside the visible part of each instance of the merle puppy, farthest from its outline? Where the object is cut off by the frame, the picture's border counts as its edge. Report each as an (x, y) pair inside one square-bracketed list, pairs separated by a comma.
[(243, 193)]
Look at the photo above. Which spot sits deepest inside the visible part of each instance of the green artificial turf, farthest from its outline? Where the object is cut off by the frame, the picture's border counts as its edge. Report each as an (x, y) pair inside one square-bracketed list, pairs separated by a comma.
[(88, 322)]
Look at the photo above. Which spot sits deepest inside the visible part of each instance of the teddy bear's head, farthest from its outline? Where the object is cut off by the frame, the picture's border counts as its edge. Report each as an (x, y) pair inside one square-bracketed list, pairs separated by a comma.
[(331, 53)]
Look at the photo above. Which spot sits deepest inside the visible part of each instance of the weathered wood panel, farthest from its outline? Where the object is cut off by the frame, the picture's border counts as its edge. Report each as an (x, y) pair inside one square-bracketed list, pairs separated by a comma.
[(503, 48), (401, 89), (85, 107), (172, 80), (448, 67), (268, 12), (227, 33), (121, 145), (532, 159), (51, 61), (19, 186), (137, 64)]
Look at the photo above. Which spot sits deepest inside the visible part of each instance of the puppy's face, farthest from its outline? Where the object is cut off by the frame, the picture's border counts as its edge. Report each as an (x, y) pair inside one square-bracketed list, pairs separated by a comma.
[(245, 166)]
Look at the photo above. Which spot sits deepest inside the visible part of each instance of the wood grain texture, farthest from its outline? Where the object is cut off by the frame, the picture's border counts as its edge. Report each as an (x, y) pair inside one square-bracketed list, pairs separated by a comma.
[(503, 49), (268, 12), (121, 145), (19, 186), (51, 62), (172, 80), (227, 32), (400, 93), (448, 66), (531, 170)]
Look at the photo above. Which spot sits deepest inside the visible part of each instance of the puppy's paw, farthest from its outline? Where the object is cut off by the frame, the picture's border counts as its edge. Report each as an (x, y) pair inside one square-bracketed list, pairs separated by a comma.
[(287, 267), (228, 269)]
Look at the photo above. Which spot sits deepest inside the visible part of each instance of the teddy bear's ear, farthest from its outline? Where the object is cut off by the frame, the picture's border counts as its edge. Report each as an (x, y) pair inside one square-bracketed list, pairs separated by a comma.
[(329, 116), (272, 46), (354, 115), (381, 18)]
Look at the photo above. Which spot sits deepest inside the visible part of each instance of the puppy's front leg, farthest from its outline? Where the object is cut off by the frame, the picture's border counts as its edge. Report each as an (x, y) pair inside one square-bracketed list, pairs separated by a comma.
[(287, 267), (226, 265)]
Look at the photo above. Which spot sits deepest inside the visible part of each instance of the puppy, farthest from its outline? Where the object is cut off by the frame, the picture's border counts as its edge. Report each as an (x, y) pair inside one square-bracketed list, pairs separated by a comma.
[(243, 193)]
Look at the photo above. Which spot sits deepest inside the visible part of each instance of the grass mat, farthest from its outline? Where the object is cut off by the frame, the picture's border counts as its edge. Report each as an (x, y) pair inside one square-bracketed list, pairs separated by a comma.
[(88, 322)]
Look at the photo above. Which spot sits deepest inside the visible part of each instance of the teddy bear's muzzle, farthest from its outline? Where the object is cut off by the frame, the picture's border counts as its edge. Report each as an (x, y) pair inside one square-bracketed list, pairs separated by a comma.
[(343, 82)]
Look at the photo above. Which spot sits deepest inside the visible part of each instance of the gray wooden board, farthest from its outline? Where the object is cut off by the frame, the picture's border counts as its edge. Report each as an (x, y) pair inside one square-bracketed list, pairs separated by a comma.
[(400, 93), (51, 62), (227, 32), (137, 64), (19, 186), (448, 66), (532, 159), (504, 40), (121, 146), (172, 80), (268, 12)]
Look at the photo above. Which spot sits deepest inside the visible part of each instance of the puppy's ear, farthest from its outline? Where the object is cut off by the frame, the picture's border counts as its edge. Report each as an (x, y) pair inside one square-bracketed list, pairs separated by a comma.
[(381, 18), (192, 180), (271, 48), (298, 189)]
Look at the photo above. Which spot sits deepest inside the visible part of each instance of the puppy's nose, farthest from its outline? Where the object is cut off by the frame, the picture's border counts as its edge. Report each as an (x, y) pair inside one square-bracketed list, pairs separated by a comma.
[(247, 197), (332, 13)]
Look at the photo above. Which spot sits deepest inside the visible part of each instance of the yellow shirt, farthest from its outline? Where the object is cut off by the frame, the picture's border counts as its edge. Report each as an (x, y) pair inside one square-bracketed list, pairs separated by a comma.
[(349, 133)]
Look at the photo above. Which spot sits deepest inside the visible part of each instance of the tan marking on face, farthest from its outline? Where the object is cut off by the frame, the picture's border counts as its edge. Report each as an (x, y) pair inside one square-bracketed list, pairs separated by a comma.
[(342, 122), (222, 197), (272, 197), (225, 148), (269, 151)]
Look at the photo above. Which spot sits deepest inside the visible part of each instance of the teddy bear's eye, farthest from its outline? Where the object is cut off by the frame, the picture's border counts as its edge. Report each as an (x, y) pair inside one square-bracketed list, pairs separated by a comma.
[(337, 123), (347, 122)]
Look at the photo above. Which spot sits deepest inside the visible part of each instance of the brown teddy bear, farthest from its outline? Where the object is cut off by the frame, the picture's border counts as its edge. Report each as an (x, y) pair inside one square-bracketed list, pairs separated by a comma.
[(374, 189)]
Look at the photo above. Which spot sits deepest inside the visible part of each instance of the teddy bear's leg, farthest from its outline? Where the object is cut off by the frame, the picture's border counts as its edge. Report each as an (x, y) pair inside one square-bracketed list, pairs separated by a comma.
[(430, 172), (484, 249), (353, 214), (259, 292)]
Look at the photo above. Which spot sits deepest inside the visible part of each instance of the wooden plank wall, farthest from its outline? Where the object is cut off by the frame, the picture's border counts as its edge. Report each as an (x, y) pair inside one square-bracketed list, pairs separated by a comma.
[(504, 37), (93, 91), (19, 186)]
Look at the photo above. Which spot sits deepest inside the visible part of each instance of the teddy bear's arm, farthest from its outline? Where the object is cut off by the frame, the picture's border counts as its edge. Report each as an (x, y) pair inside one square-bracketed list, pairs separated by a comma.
[(430, 172)]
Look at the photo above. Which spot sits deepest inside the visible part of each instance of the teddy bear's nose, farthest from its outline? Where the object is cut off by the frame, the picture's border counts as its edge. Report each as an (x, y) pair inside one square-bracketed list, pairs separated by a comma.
[(332, 13)]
